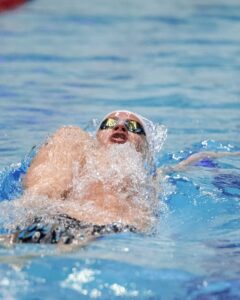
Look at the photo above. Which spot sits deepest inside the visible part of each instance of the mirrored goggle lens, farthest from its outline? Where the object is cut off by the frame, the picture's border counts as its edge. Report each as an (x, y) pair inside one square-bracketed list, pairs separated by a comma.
[(108, 123), (134, 126), (131, 125)]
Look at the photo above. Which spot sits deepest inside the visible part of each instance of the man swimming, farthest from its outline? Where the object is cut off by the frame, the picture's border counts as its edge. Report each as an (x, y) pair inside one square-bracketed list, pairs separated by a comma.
[(86, 186), (101, 181)]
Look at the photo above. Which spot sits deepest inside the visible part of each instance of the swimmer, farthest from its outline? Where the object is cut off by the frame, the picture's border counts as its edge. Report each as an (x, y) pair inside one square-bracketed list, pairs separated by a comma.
[(96, 182), (98, 185)]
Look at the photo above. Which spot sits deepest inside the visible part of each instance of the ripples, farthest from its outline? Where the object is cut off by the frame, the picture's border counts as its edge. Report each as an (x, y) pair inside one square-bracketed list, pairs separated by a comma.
[(65, 62), (202, 289), (63, 59)]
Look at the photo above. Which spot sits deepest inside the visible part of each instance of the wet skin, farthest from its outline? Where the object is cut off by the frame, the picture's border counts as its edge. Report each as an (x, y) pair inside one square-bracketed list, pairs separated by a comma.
[(53, 173), (120, 135)]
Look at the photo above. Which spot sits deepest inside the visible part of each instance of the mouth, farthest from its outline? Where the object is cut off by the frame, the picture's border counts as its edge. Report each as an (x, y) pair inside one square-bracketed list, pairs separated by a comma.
[(118, 138)]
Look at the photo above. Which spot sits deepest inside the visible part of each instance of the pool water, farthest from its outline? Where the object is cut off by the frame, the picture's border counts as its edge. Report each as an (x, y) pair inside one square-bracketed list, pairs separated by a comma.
[(178, 64)]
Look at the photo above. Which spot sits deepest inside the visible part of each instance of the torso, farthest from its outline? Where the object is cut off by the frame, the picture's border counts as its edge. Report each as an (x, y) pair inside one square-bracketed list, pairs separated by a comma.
[(105, 193), (97, 186)]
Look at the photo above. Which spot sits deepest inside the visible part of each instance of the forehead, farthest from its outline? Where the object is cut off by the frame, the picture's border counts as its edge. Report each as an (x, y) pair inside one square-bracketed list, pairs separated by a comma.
[(124, 116)]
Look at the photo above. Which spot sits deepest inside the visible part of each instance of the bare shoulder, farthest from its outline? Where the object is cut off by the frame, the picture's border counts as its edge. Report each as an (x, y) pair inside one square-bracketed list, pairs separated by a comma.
[(50, 172), (73, 133), (66, 142)]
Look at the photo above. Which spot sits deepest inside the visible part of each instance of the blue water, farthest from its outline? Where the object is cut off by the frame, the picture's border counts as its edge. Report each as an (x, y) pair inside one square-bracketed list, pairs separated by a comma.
[(177, 63)]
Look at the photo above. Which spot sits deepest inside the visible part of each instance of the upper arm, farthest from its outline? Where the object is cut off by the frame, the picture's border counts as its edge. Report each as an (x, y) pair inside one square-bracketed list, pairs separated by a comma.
[(51, 171), (199, 156)]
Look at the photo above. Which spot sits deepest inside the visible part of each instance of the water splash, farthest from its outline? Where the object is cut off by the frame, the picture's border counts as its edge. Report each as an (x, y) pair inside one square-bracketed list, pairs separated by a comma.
[(120, 174), (119, 169), (157, 134)]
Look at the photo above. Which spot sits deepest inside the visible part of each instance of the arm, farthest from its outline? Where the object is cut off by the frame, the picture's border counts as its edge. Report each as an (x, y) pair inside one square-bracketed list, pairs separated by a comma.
[(51, 171), (199, 156)]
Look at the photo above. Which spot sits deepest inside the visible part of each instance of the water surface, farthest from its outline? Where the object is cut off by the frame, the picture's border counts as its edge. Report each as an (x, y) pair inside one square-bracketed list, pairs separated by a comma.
[(177, 64)]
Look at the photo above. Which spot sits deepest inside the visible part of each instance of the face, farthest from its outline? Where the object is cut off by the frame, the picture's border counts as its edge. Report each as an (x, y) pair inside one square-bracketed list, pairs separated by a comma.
[(119, 133)]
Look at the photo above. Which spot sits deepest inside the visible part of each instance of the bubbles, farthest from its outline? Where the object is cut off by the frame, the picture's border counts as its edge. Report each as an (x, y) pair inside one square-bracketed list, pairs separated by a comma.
[(212, 145), (118, 172), (156, 136), (18, 213), (9, 215), (122, 163)]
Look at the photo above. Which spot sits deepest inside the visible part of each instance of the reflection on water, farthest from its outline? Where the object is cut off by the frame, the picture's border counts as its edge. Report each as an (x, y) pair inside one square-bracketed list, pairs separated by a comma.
[(176, 63), (87, 59)]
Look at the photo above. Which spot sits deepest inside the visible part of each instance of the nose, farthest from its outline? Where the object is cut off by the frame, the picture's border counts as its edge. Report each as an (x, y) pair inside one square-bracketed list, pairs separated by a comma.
[(120, 127)]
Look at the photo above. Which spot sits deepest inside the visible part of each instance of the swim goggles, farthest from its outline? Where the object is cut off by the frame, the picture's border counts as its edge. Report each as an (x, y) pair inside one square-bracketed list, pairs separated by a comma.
[(131, 125)]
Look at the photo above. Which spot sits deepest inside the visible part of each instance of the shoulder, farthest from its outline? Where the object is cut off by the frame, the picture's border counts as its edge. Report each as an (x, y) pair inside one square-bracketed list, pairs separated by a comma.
[(70, 130), (68, 135), (65, 142)]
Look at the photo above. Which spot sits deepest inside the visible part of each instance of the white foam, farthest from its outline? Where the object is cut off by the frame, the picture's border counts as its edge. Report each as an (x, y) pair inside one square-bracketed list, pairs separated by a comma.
[(122, 163)]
